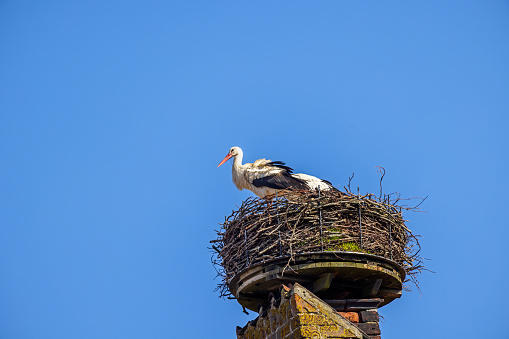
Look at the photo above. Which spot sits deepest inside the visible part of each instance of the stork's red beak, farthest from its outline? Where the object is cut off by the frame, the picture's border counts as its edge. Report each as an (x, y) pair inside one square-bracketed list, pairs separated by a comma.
[(228, 156)]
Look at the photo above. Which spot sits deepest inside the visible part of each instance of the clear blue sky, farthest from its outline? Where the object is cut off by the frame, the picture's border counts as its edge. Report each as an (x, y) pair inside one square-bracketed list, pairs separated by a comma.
[(115, 114)]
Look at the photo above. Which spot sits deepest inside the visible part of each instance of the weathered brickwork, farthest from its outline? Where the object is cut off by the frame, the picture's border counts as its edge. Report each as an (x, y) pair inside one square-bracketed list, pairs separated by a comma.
[(351, 316), (300, 314)]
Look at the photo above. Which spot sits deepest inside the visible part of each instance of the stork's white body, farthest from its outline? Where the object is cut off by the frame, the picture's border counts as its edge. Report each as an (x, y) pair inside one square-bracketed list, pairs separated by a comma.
[(244, 175), (265, 177)]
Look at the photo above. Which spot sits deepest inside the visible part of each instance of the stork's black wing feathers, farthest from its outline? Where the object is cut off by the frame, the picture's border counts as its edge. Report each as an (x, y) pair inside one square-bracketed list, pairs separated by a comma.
[(282, 165), (280, 182)]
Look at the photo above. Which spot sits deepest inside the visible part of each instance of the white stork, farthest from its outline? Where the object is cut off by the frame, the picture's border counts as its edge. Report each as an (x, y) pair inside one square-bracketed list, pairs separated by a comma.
[(265, 177)]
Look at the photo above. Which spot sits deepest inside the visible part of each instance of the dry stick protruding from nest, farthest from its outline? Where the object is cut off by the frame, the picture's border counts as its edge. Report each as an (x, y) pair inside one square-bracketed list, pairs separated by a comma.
[(262, 230)]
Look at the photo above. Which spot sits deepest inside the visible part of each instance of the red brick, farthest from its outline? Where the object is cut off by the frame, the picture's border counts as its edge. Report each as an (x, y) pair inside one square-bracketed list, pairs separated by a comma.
[(351, 316)]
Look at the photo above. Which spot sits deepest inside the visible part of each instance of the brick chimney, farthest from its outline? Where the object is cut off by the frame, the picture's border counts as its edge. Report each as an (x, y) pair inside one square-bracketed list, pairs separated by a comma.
[(298, 313)]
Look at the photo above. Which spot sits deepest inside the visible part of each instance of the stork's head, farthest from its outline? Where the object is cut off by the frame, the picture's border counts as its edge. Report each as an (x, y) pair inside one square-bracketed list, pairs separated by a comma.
[(234, 151)]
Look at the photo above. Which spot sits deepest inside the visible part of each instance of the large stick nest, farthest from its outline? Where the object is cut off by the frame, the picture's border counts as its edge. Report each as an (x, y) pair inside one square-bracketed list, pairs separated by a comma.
[(304, 222)]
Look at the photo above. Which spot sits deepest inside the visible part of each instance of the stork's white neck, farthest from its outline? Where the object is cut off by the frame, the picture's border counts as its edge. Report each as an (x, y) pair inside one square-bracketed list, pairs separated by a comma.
[(237, 171), (237, 160)]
